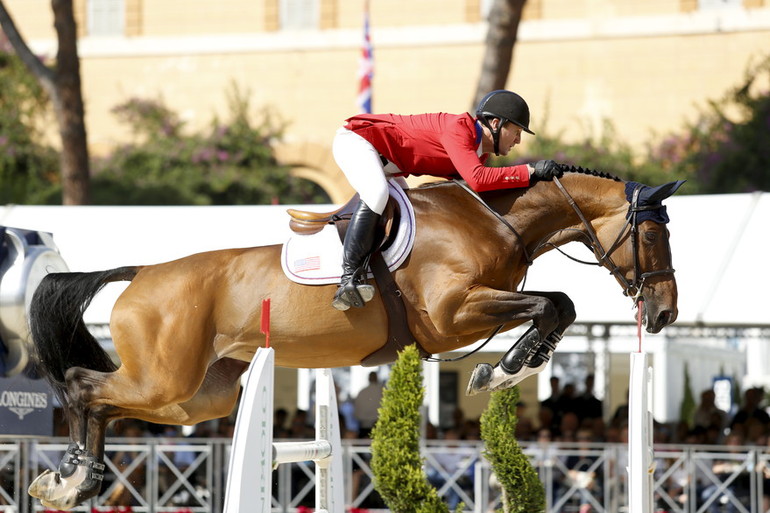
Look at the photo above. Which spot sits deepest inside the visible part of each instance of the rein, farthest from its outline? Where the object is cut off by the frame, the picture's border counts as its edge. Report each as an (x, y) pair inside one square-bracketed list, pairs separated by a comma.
[(632, 289)]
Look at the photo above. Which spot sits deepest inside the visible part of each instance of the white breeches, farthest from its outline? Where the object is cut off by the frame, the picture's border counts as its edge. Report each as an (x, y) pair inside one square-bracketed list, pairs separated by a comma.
[(360, 163)]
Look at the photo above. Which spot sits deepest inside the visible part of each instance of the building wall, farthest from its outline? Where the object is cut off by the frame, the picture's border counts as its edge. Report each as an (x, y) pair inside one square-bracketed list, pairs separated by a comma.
[(644, 66)]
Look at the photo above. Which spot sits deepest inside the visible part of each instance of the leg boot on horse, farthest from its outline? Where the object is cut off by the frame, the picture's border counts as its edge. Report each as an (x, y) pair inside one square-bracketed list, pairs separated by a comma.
[(357, 245), (529, 355), (486, 378)]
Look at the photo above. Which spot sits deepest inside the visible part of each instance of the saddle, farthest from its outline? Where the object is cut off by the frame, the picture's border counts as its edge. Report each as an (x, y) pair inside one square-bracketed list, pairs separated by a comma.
[(399, 335), (304, 222)]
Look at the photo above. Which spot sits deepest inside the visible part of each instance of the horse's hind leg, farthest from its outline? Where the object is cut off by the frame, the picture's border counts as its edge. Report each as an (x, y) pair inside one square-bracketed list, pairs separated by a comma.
[(529, 354), (96, 398), (81, 470)]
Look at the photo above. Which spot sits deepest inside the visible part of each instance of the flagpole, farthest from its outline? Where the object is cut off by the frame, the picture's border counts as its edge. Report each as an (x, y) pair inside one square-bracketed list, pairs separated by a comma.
[(366, 68)]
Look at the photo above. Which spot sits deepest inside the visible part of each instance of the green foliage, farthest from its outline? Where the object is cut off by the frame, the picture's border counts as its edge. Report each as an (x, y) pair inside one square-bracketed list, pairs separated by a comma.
[(522, 490), (29, 170), (231, 163), (396, 463), (727, 148), (688, 406)]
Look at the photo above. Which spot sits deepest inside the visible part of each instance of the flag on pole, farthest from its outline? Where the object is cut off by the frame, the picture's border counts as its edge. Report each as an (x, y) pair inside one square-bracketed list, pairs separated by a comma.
[(366, 68)]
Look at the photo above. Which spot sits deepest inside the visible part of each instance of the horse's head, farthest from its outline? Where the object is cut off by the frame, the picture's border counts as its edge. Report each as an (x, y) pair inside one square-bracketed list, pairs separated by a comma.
[(635, 248)]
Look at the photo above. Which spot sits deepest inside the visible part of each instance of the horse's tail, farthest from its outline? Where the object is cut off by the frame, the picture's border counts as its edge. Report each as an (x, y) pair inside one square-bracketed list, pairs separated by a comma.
[(59, 335)]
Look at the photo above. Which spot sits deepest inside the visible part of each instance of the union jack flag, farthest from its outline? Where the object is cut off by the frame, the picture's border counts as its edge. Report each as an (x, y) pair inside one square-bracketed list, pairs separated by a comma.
[(365, 68)]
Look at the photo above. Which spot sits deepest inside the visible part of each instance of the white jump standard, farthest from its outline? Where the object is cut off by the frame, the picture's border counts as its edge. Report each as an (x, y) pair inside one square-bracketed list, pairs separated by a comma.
[(254, 455)]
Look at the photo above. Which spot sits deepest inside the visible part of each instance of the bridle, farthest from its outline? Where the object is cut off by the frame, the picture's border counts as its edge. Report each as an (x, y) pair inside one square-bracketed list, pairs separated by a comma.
[(632, 289)]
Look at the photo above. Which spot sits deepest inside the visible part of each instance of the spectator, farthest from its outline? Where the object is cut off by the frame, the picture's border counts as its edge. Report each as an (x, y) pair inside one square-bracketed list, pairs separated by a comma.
[(620, 417), (450, 462), (735, 474), (299, 427), (280, 416), (589, 408), (347, 412), (524, 428), (708, 414), (367, 404), (552, 407), (750, 414)]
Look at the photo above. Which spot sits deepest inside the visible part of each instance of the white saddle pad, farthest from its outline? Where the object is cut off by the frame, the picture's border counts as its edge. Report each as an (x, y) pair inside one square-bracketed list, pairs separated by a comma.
[(317, 259)]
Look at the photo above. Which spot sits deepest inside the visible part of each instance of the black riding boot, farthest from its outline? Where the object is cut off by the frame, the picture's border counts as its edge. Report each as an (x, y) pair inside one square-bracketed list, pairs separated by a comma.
[(356, 247)]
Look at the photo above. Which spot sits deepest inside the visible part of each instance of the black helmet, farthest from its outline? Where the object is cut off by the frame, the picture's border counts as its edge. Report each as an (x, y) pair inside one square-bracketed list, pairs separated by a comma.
[(507, 106)]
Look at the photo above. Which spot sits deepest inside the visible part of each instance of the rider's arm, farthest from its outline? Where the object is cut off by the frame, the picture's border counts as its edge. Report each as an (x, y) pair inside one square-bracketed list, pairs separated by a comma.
[(459, 140)]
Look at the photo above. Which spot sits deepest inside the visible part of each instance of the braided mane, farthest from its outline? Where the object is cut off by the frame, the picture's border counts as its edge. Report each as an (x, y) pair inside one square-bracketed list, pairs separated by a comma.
[(593, 172)]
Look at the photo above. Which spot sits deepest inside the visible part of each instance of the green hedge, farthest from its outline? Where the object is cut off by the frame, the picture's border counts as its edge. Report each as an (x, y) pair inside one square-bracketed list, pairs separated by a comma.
[(397, 466)]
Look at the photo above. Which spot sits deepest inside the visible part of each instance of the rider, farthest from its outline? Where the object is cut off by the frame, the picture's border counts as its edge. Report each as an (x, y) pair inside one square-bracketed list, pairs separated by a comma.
[(373, 147)]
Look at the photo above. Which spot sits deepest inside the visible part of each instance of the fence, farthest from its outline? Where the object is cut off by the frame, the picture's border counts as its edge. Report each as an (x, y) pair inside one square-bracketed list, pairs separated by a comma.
[(188, 476)]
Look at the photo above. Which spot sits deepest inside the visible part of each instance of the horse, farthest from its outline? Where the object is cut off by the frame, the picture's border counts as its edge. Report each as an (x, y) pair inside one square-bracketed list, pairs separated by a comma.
[(184, 331)]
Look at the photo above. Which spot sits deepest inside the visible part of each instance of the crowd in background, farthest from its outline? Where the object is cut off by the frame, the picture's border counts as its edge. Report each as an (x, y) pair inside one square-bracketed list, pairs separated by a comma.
[(569, 415)]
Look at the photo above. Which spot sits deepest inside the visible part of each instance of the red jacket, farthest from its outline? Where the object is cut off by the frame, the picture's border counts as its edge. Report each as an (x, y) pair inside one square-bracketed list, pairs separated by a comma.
[(438, 145)]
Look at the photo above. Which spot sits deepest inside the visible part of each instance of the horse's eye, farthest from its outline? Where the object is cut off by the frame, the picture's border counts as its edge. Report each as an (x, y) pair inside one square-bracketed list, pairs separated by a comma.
[(650, 237)]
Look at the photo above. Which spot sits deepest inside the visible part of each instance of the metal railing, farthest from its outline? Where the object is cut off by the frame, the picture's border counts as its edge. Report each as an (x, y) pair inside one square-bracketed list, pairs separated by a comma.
[(188, 476)]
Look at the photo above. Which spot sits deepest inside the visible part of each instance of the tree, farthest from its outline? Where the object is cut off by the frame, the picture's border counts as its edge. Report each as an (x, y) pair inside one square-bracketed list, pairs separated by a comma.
[(688, 406), (28, 168), (397, 466), (727, 148), (230, 163), (62, 83), (521, 487), (504, 18)]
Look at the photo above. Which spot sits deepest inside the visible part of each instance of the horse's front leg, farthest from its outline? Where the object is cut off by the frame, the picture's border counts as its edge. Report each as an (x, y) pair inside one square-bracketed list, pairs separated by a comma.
[(528, 356), (460, 310), (551, 313)]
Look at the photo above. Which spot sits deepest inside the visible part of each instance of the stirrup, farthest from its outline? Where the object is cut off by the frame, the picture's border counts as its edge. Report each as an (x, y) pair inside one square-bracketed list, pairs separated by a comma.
[(352, 295)]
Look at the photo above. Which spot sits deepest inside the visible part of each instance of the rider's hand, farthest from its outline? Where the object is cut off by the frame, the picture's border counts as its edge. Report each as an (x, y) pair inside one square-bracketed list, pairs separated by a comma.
[(545, 170)]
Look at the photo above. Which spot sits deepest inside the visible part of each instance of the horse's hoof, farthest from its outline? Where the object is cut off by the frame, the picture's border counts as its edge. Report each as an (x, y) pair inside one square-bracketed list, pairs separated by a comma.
[(518, 377), (42, 483), (480, 379), (61, 504), (48, 487)]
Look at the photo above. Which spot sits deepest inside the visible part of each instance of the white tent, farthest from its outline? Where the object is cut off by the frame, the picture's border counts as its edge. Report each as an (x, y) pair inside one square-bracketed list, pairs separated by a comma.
[(719, 244)]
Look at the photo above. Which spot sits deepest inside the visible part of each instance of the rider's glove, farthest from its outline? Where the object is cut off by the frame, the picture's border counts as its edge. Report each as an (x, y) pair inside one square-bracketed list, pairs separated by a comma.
[(545, 170)]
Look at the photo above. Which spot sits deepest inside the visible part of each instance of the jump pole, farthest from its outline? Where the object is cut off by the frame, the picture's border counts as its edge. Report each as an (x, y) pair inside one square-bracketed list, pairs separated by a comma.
[(254, 455), (641, 459)]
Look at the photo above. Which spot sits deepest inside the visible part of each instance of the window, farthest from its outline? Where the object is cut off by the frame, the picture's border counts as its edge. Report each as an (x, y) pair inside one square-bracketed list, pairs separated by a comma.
[(106, 17), (716, 4), (299, 14)]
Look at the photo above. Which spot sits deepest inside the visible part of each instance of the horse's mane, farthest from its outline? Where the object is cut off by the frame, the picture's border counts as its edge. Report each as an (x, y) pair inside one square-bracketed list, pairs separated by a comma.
[(564, 167), (593, 172)]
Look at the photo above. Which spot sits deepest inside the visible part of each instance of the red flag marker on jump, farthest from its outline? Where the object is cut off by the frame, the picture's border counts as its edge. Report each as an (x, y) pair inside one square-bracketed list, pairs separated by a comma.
[(265, 327)]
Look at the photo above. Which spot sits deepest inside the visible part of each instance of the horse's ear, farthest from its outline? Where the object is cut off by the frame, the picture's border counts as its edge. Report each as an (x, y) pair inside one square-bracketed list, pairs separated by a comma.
[(653, 195)]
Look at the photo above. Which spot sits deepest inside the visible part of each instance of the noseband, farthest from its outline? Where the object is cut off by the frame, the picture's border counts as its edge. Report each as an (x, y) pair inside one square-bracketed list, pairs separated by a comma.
[(632, 289)]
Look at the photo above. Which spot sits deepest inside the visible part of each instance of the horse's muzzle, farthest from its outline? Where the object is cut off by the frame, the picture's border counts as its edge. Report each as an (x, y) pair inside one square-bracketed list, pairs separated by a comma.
[(661, 319)]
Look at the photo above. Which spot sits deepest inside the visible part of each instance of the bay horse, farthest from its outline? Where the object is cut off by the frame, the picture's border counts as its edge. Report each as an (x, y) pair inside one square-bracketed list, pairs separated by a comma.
[(186, 330)]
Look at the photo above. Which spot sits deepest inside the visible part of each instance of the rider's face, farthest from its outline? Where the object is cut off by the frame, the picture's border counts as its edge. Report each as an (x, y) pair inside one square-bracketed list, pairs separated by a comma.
[(510, 136)]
